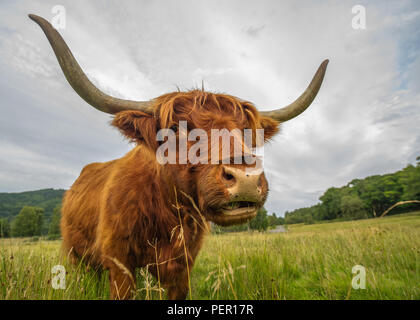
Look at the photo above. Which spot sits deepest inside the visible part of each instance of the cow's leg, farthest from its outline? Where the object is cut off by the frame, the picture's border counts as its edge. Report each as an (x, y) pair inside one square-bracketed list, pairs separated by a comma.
[(178, 289), (121, 278), (174, 278)]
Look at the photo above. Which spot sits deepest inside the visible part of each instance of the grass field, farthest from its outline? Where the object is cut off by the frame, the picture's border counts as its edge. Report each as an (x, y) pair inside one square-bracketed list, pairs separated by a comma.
[(308, 262)]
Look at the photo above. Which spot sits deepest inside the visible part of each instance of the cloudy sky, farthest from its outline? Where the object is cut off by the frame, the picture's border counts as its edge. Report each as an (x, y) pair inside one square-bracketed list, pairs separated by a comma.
[(364, 121)]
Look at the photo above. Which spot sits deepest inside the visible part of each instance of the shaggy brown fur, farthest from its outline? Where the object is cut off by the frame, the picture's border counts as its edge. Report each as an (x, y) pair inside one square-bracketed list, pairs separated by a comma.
[(133, 212)]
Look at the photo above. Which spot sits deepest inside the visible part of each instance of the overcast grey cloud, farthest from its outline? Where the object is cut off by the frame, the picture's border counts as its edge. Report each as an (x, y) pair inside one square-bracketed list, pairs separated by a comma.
[(364, 121)]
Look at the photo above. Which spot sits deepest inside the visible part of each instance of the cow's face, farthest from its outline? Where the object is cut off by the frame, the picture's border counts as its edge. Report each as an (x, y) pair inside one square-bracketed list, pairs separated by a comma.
[(228, 188)]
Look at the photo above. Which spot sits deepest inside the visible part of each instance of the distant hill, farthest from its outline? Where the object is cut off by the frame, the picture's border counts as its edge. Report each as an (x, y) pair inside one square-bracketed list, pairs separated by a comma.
[(12, 203)]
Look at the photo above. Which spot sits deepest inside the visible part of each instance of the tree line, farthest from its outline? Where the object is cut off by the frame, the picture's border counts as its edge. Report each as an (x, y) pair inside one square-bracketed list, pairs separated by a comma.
[(364, 198), (29, 223), (261, 222)]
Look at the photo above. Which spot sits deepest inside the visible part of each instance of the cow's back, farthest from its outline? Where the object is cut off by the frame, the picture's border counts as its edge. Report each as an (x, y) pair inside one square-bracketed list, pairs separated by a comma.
[(80, 212)]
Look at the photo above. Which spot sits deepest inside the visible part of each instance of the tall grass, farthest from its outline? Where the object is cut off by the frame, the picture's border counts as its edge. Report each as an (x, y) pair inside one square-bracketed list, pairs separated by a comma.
[(307, 262)]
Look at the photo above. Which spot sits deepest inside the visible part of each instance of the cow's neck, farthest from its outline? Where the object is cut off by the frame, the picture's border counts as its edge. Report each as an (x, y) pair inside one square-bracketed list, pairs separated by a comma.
[(178, 206)]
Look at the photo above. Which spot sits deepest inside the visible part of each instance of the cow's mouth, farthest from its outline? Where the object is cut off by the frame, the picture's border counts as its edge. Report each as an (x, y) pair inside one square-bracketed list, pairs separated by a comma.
[(236, 208), (235, 212)]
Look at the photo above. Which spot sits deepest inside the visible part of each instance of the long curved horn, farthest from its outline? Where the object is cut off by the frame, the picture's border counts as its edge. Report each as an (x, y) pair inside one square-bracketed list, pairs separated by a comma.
[(303, 102), (80, 82)]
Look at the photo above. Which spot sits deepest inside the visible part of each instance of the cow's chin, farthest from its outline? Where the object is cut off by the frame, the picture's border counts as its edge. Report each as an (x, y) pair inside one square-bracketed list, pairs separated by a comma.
[(230, 215)]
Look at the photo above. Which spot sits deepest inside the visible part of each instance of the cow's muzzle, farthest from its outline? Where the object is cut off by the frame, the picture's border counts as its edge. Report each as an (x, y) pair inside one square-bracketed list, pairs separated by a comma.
[(245, 189)]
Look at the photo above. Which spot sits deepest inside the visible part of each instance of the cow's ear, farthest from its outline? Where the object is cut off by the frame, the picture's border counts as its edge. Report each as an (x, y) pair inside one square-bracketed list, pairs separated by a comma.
[(137, 126), (270, 126)]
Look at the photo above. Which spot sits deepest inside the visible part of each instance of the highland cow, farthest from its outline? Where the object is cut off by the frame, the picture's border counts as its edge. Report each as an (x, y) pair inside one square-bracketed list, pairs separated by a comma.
[(135, 212)]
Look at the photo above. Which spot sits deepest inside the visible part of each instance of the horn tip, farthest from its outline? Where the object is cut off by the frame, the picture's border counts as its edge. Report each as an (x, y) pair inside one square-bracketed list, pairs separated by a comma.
[(39, 20), (32, 16)]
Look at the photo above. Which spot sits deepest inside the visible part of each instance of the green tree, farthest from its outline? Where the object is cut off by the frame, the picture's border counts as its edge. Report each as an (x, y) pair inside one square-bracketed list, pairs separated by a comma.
[(28, 222), (4, 228), (309, 219), (54, 228), (372, 191), (273, 220), (330, 206), (410, 181), (260, 222), (353, 208)]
